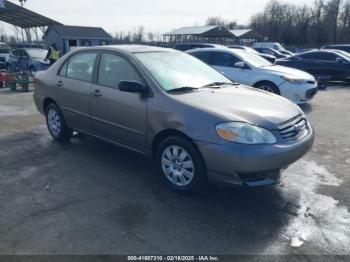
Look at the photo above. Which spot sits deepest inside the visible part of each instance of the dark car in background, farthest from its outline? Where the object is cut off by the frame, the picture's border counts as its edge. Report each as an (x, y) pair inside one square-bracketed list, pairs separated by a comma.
[(269, 58), (325, 63), (27, 59), (188, 46), (345, 47), (4, 54), (270, 51)]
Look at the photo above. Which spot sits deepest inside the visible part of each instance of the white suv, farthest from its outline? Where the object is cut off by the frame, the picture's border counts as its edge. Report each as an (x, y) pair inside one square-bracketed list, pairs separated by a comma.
[(250, 69)]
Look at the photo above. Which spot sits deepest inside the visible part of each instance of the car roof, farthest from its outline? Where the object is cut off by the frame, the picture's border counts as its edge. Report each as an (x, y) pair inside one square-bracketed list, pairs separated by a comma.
[(129, 48), (338, 45), (219, 49), (318, 50)]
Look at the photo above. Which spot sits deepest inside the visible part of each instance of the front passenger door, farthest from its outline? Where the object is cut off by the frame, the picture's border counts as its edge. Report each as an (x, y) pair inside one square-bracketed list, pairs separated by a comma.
[(225, 63), (116, 115)]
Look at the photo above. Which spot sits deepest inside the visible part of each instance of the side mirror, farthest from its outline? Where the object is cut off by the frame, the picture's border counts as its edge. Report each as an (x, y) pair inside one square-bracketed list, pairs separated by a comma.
[(240, 65), (339, 60), (132, 87)]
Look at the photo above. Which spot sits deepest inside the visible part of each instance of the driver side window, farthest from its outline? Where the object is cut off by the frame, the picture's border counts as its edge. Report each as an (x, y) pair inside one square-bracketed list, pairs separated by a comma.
[(224, 59)]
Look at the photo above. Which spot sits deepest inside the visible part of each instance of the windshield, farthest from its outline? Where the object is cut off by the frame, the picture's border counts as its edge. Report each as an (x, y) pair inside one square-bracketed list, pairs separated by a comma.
[(173, 70), (255, 60), (343, 54), (37, 53)]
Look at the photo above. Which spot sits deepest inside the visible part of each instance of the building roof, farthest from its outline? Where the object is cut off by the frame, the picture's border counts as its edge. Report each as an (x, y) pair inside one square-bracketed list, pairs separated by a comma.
[(22, 17), (194, 30), (80, 32), (240, 32)]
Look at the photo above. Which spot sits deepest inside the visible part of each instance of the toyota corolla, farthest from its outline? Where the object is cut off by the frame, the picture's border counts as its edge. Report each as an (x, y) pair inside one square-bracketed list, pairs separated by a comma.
[(194, 122)]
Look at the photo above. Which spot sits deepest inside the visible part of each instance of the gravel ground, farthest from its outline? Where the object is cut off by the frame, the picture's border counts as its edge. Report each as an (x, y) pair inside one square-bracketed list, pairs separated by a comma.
[(89, 197)]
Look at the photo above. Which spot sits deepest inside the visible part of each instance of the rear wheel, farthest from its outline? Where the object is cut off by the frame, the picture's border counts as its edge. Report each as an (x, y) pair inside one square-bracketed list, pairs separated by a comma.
[(180, 165), (56, 124), (268, 87)]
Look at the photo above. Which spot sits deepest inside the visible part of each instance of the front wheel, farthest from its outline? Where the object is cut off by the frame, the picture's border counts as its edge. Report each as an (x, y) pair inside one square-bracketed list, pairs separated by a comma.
[(180, 165), (56, 124)]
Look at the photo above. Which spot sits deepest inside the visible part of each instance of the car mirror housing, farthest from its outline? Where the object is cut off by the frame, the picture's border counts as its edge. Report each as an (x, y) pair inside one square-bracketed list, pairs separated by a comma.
[(240, 65), (339, 60), (132, 87)]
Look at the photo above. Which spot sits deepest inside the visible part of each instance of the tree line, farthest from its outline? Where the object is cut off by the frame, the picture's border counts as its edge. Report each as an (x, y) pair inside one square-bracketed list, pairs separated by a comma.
[(323, 22)]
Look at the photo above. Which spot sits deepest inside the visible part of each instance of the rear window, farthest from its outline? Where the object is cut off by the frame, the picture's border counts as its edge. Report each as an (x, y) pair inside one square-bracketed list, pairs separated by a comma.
[(81, 66)]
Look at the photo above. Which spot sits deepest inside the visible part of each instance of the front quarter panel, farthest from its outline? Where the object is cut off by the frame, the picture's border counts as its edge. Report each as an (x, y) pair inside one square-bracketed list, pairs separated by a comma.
[(167, 113)]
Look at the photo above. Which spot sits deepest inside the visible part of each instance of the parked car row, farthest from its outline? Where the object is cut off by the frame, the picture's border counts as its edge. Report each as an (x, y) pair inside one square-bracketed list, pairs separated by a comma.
[(329, 63), (334, 64), (250, 69)]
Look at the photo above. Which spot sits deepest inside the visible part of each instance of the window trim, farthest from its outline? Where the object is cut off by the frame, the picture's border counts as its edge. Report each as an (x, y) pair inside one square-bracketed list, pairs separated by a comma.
[(143, 81)]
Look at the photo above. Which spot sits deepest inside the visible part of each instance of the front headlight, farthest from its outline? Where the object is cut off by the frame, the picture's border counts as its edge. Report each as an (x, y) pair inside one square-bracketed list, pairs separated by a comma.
[(294, 80), (245, 133)]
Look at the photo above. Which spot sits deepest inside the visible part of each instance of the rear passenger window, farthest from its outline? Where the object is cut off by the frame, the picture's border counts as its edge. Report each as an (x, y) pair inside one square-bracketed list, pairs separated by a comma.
[(114, 69), (81, 66)]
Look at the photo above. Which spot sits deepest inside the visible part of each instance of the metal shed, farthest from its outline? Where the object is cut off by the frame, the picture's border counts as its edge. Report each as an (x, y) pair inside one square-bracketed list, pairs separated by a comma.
[(246, 36), (71, 37), (214, 34)]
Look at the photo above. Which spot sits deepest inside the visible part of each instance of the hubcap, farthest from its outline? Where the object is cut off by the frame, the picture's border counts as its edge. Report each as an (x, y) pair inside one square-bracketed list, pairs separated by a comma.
[(267, 89), (177, 165), (54, 122)]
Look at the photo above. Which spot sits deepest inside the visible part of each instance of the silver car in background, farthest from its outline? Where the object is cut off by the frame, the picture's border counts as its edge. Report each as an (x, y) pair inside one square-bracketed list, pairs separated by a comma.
[(194, 122)]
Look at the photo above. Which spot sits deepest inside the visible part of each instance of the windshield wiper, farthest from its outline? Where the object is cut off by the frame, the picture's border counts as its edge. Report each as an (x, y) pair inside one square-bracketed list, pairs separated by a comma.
[(220, 84), (183, 89)]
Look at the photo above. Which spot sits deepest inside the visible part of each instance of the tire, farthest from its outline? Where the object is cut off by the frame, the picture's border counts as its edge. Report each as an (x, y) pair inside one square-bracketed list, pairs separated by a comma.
[(56, 124), (268, 87), (180, 165), (12, 85)]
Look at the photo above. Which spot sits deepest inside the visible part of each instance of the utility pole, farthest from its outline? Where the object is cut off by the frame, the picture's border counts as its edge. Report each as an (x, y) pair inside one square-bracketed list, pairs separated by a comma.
[(22, 2)]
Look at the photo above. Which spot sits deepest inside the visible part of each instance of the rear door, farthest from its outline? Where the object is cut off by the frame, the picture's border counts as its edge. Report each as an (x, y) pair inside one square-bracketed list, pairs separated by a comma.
[(116, 115), (73, 89)]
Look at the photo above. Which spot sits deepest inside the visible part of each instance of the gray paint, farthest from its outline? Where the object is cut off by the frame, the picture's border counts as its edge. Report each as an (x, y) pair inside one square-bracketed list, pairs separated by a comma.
[(195, 115)]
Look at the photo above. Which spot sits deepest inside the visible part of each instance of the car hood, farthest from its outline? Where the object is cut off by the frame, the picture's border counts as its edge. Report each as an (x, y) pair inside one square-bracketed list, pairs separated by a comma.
[(41, 61), (289, 71), (243, 104)]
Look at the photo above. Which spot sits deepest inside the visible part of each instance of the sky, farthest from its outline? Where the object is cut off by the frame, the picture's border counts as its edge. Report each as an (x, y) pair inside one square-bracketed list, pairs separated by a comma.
[(158, 16)]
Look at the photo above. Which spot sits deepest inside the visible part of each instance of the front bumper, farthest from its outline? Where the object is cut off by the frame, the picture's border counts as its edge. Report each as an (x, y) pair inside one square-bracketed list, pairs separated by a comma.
[(298, 94), (252, 165)]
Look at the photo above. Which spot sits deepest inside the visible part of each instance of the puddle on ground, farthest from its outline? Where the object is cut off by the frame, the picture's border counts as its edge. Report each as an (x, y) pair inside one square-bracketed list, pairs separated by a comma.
[(319, 220)]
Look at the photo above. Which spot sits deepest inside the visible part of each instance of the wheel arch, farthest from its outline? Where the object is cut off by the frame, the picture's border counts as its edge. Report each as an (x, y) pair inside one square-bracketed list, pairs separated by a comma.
[(268, 82), (47, 101), (162, 135)]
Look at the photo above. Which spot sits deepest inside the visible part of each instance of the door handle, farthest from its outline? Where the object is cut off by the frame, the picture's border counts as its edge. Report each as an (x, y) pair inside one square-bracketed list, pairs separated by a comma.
[(60, 84), (96, 93)]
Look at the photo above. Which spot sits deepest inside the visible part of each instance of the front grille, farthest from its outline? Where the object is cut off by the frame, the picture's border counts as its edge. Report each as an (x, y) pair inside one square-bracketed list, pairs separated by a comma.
[(294, 128), (310, 93)]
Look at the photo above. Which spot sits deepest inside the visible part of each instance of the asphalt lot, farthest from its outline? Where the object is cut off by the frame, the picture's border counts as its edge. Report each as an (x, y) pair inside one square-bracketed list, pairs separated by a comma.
[(89, 197)]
